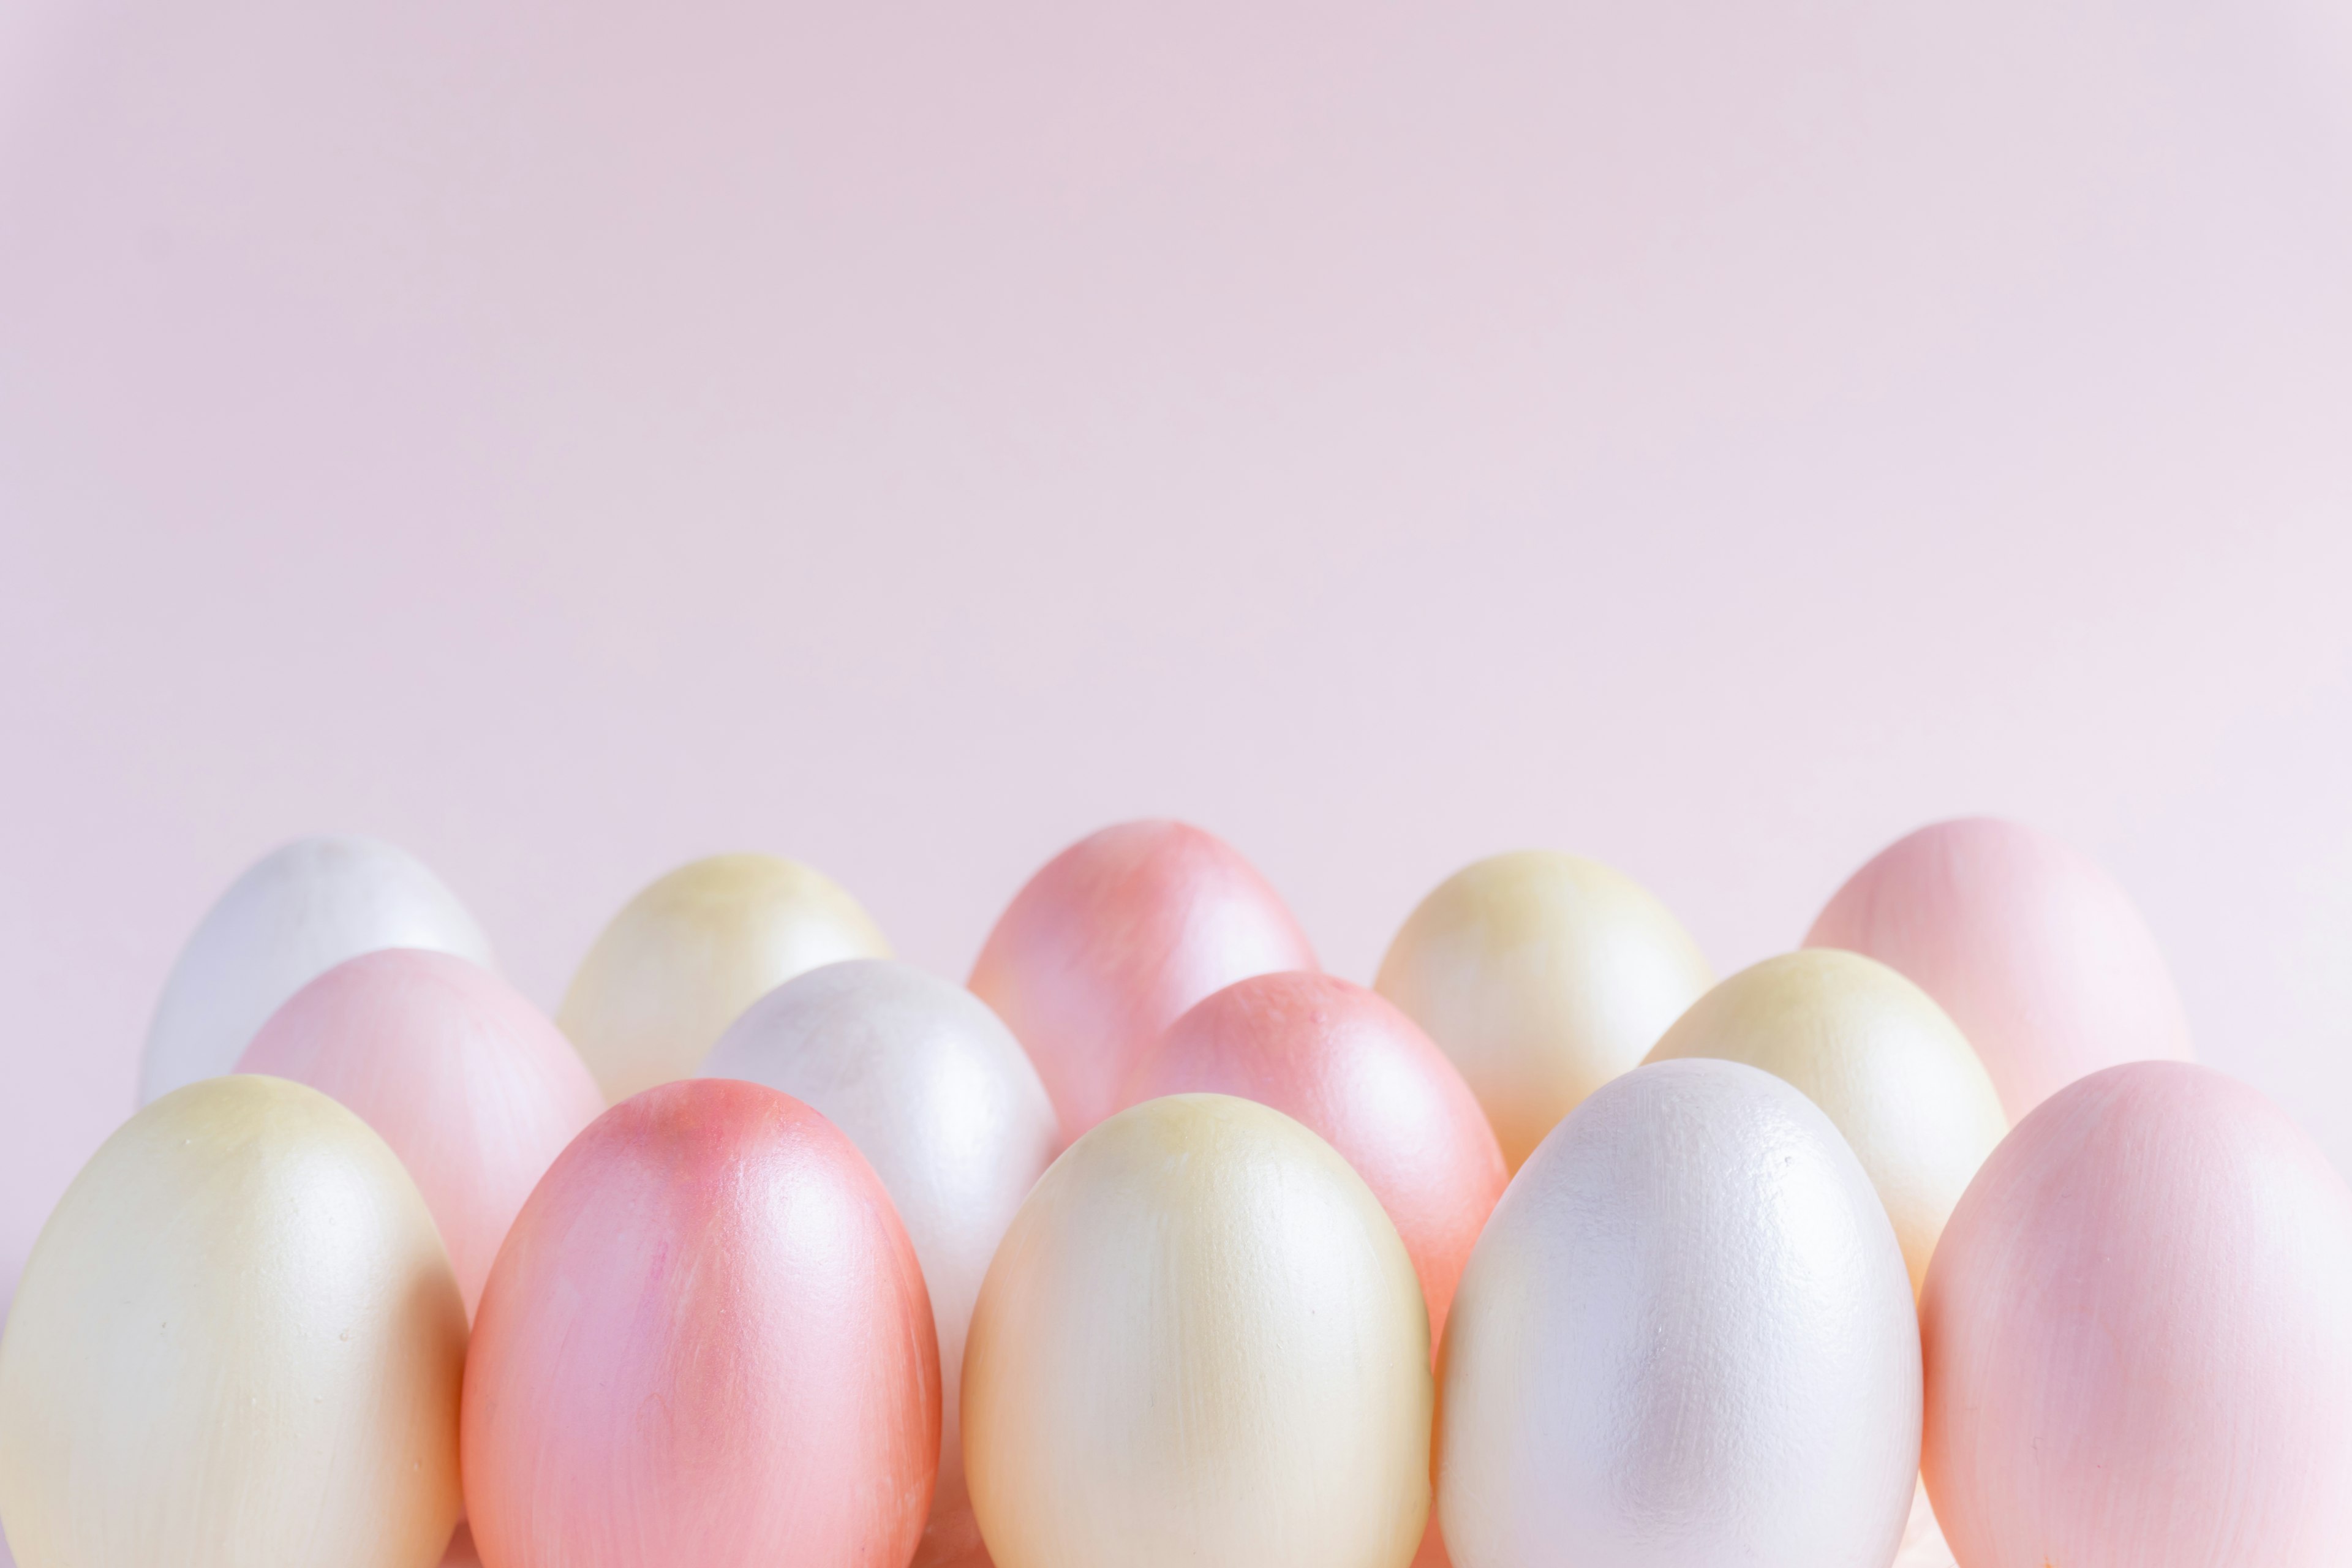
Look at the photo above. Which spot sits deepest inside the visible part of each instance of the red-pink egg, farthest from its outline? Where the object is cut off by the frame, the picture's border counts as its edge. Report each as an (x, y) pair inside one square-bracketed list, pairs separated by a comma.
[(2135, 1333), (473, 1087), (1117, 937), (705, 1342), (1344, 1063), (2029, 947)]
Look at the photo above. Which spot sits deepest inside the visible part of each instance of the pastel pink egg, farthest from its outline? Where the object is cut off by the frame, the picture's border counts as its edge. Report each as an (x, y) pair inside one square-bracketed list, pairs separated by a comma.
[(1344, 1062), (2135, 1336), (705, 1342), (473, 1087), (2029, 947), (1111, 943)]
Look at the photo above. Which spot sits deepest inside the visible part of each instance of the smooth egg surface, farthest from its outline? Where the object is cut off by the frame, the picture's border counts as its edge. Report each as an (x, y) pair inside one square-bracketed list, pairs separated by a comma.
[(236, 1342), (2033, 950), (687, 955), (1873, 1051), (1685, 1339), (1542, 976), (2139, 1336), (1200, 1342), (1359, 1074), (473, 1087), (1113, 940), (705, 1342), (295, 913), (940, 1098)]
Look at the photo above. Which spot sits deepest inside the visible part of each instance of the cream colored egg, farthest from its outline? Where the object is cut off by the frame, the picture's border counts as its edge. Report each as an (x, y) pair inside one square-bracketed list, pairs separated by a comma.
[(1200, 1342), (686, 956), (1875, 1051), (237, 1343), (1543, 975)]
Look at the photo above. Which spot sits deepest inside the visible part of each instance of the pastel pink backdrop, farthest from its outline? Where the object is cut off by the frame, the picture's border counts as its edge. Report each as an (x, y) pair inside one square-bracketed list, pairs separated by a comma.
[(1713, 437)]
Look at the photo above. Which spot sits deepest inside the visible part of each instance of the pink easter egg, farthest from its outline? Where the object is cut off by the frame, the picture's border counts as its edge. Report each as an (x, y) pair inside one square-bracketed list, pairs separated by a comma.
[(2029, 947), (2135, 1336), (705, 1342), (1353, 1069), (474, 1088), (1114, 938)]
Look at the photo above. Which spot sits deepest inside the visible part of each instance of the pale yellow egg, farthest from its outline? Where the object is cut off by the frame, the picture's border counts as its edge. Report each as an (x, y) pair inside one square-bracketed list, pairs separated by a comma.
[(686, 956), (238, 1342), (1872, 1049), (1200, 1342), (1543, 975)]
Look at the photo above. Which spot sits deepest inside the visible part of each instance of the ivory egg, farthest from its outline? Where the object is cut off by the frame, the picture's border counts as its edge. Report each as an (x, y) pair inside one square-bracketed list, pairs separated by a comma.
[(705, 1342), (294, 914), (1114, 938), (1685, 1339), (2136, 1330), (1200, 1342), (936, 1093), (1361, 1076), (1874, 1052), (1542, 976), (473, 1087), (2033, 950), (237, 1342), (687, 955)]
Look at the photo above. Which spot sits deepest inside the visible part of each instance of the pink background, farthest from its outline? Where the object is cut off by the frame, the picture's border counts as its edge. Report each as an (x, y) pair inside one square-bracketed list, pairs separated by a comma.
[(1716, 436)]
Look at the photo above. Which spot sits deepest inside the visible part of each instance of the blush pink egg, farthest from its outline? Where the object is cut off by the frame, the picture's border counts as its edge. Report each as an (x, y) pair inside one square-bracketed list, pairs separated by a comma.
[(1117, 937), (1353, 1069), (705, 1342), (474, 1088), (2136, 1335), (2029, 947)]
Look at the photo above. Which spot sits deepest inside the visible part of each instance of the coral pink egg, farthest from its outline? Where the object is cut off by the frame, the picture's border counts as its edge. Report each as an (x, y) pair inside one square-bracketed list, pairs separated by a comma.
[(2134, 1330), (705, 1342), (472, 1086), (2033, 952), (1354, 1071), (1113, 940)]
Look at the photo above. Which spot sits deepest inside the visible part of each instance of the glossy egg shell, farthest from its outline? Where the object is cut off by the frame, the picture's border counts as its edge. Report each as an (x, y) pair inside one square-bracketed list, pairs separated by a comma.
[(237, 1341), (1685, 1339), (2139, 1336), (705, 1342), (473, 1087), (1113, 940), (1200, 1342), (2033, 950), (939, 1097), (295, 913)]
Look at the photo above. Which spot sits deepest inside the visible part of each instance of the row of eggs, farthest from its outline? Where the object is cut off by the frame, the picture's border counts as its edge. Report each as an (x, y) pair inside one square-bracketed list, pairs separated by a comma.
[(1137, 1250)]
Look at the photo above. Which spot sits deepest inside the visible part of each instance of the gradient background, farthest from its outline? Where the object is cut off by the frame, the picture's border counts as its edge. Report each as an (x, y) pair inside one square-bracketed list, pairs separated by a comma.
[(1713, 436)]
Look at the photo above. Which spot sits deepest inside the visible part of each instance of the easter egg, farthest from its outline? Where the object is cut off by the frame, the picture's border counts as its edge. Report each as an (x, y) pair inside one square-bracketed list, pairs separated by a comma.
[(1113, 940), (473, 1087), (1543, 976), (705, 1342), (1359, 1074), (1200, 1342), (294, 914), (686, 956), (237, 1342), (2139, 1331), (2034, 952), (1871, 1049), (938, 1096), (1685, 1339)]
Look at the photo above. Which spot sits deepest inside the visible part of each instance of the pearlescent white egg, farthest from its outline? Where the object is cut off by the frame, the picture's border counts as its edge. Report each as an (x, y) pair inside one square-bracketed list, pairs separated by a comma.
[(944, 1102), (293, 915), (1685, 1340), (237, 1343)]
